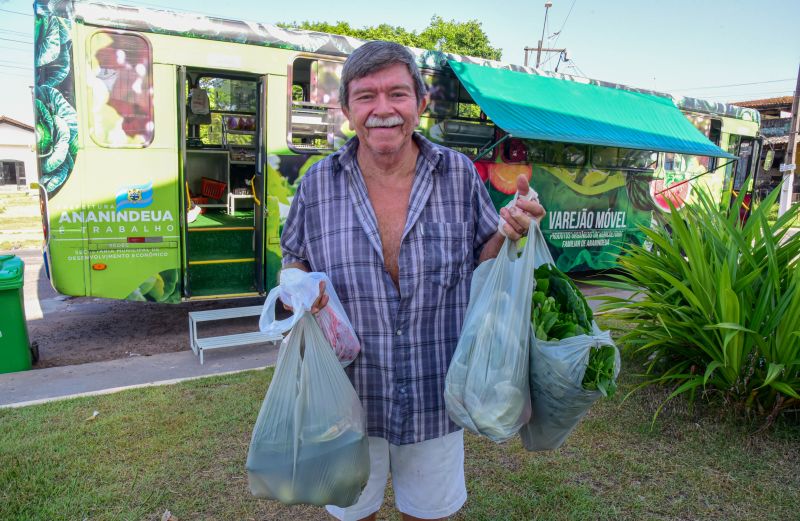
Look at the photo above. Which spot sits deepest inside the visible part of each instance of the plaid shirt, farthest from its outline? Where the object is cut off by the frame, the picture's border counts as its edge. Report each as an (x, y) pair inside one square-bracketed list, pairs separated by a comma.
[(408, 336)]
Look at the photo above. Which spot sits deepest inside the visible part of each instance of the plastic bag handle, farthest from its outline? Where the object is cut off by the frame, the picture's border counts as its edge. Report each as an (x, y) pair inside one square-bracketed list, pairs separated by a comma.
[(267, 322)]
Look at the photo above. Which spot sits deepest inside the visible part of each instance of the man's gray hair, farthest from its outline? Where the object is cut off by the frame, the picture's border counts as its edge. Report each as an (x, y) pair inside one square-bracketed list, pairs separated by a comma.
[(374, 56)]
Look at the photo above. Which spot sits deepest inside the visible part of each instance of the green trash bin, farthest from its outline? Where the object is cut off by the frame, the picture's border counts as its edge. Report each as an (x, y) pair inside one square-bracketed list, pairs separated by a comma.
[(15, 351)]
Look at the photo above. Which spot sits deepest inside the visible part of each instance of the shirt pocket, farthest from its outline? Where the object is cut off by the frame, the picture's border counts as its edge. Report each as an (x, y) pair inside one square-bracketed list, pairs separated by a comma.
[(447, 250)]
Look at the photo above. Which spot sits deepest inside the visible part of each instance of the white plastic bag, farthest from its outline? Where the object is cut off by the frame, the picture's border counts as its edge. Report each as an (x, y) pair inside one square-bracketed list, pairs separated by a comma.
[(300, 289), (309, 444), (557, 368), (486, 389)]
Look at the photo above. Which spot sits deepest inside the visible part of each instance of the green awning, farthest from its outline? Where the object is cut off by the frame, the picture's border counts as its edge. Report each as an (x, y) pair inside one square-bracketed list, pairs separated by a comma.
[(538, 107)]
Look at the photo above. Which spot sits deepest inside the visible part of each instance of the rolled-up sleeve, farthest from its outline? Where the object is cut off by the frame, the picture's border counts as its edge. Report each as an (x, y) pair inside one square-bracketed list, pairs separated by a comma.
[(293, 240)]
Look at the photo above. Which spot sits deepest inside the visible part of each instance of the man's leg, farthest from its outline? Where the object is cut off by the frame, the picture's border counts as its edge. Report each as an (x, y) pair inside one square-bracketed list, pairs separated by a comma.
[(428, 477)]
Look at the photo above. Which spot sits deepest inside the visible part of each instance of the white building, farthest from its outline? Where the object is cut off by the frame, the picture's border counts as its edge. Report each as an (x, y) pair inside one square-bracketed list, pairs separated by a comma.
[(17, 154)]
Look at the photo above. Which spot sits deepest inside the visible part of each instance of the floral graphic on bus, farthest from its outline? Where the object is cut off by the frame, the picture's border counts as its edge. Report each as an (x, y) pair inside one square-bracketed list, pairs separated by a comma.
[(56, 137), (55, 116)]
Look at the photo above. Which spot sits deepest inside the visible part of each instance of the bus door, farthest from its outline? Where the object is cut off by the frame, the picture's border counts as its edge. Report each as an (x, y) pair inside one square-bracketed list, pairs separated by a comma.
[(743, 173), (129, 208), (258, 186), (222, 127)]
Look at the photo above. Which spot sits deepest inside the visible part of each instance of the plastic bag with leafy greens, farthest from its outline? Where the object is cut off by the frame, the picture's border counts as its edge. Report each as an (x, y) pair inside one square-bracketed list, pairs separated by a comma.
[(559, 395), (486, 389), (309, 444), (572, 362)]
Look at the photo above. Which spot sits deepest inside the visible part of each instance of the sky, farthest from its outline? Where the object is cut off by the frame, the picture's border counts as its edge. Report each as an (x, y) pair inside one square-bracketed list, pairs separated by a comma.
[(721, 50)]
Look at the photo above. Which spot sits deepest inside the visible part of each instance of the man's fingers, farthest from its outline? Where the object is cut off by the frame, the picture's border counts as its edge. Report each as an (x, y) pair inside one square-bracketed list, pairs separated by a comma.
[(516, 220), (533, 208), (322, 300)]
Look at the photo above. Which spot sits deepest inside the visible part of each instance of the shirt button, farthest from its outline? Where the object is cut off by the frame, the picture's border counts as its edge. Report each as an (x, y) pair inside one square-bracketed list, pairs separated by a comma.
[(399, 332), (402, 390)]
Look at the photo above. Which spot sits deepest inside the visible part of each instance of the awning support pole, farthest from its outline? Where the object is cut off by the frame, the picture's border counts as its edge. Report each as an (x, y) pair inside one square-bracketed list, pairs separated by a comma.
[(486, 151)]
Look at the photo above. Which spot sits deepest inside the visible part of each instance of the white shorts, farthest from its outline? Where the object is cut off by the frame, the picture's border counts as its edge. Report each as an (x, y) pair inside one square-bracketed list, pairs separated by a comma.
[(427, 478)]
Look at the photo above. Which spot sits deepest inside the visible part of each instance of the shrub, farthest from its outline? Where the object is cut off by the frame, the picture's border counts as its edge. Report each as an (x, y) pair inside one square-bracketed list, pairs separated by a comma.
[(716, 305)]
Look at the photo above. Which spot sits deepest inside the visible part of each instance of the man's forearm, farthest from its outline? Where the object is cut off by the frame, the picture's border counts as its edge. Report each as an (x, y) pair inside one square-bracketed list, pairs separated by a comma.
[(492, 247)]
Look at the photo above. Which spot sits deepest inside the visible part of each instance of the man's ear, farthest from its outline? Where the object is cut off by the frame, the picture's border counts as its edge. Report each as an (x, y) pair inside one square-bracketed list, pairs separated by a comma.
[(346, 113), (423, 104)]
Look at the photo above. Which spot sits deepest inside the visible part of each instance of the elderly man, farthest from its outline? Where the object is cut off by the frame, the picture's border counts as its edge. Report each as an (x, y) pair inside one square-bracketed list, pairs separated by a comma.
[(399, 224)]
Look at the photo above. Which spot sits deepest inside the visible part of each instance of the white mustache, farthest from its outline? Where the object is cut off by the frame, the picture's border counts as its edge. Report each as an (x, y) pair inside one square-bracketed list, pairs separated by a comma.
[(391, 121)]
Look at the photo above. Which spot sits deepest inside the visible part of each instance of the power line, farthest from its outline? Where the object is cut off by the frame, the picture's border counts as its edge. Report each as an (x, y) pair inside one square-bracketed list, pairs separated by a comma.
[(28, 75), (744, 95), (15, 33), (14, 49), (15, 62), (16, 67), (18, 41), (574, 66), (737, 84), (558, 33), (717, 95), (15, 12)]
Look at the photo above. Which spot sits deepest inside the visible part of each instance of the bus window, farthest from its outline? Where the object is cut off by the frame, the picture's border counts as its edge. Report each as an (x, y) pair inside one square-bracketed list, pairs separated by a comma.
[(623, 158), (233, 105), (442, 95), (316, 120), (515, 151), (554, 153), (454, 119), (685, 166), (120, 90)]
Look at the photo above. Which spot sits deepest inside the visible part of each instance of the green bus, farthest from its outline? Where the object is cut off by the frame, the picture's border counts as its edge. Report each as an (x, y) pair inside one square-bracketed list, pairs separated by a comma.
[(170, 146)]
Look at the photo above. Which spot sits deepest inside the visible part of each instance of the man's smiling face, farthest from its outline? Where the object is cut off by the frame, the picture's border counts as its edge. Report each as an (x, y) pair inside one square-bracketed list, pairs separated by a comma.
[(383, 110)]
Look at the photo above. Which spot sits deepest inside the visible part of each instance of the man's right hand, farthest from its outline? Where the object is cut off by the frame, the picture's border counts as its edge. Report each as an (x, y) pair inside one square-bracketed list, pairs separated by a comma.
[(318, 304)]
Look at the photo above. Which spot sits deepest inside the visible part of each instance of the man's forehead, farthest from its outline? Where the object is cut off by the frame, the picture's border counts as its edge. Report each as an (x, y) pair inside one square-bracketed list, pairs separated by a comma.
[(396, 73)]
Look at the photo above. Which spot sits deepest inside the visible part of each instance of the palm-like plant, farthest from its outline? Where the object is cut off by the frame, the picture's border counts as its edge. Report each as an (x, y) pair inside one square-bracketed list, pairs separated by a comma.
[(716, 304)]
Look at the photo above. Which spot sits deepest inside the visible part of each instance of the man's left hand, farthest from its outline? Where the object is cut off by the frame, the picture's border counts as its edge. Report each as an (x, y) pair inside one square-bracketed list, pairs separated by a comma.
[(518, 217)]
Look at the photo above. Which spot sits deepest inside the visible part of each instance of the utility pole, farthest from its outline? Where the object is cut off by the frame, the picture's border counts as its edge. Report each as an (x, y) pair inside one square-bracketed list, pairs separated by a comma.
[(541, 49), (547, 6), (788, 165)]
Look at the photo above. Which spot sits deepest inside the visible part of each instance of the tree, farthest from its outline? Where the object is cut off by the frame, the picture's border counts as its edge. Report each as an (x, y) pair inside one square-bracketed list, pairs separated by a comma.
[(467, 38), (458, 38)]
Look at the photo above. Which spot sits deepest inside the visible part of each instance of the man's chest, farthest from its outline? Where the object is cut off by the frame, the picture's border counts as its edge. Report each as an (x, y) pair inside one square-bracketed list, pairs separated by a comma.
[(390, 207)]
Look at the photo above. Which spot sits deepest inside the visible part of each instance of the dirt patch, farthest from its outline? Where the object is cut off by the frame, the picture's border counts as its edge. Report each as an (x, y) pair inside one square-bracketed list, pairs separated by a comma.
[(78, 330), (92, 330)]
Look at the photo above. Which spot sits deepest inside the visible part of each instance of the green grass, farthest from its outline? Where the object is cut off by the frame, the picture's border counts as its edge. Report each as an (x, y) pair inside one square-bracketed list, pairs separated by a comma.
[(183, 447), (20, 223)]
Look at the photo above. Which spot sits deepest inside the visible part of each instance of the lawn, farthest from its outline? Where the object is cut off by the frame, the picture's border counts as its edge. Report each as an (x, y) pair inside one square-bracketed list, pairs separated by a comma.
[(182, 448), (20, 223)]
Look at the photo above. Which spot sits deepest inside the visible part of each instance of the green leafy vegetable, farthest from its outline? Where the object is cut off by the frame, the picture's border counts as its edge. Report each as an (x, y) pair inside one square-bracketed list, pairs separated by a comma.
[(599, 375), (558, 311)]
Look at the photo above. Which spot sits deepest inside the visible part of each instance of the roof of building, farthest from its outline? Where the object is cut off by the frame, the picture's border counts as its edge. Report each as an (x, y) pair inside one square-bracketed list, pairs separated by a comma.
[(766, 103), (12, 121), (777, 140)]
